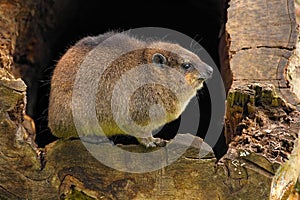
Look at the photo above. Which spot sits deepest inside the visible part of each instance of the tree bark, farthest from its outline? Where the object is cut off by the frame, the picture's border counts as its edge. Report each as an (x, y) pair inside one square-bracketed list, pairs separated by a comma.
[(262, 43), (260, 57)]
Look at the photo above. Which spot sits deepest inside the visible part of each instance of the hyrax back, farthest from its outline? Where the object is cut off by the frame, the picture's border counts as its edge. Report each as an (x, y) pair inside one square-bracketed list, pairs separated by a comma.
[(139, 86)]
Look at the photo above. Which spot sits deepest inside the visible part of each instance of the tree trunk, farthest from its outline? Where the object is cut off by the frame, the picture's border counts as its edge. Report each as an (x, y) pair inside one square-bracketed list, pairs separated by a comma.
[(260, 63), (262, 43)]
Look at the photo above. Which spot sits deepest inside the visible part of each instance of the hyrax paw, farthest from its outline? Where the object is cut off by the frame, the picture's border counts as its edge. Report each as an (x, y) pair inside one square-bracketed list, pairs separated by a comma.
[(160, 142), (151, 142)]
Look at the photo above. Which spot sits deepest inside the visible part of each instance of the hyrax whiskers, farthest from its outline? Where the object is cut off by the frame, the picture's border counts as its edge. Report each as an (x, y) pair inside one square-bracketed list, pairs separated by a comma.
[(142, 85)]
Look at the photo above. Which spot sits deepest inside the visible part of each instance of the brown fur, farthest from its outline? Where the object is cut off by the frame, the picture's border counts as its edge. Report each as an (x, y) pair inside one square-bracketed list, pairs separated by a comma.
[(173, 100)]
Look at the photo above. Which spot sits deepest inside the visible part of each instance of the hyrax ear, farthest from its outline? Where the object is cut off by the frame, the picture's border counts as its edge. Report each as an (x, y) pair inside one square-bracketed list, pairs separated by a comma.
[(159, 59)]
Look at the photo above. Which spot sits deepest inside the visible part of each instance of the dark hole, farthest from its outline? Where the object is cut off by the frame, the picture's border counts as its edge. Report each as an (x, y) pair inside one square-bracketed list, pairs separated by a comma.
[(92, 17)]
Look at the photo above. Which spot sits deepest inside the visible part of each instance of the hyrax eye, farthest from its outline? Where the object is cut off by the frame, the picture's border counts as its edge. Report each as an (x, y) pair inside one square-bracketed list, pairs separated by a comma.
[(159, 59), (187, 66)]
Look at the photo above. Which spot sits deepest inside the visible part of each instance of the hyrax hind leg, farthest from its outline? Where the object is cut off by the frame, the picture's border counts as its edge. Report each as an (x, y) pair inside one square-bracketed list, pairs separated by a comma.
[(151, 142)]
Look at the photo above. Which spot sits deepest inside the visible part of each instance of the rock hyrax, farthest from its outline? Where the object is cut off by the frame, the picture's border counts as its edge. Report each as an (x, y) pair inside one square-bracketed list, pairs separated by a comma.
[(143, 84)]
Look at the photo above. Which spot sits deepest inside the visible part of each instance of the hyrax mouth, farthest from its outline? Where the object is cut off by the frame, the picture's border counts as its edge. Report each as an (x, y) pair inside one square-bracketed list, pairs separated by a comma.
[(195, 81), (199, 84), (197, 77), (206, 72)]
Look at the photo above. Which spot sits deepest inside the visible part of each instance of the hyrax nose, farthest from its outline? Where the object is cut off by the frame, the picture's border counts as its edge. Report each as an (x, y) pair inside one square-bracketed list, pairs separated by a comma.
[(206, 71)]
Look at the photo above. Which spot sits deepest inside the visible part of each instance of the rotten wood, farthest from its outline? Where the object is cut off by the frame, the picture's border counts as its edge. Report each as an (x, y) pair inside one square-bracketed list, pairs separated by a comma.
[(261, 41)]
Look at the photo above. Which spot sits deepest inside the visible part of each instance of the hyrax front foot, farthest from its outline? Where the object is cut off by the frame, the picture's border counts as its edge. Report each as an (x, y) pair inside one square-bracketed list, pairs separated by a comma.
[(151, 142)]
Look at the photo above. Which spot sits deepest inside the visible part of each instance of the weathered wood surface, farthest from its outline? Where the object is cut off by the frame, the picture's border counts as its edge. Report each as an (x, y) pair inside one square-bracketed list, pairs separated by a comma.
[(262, 37), (260, 41), (297, 6), (260, 123), (261, 23), (72, 173), (283, 183)]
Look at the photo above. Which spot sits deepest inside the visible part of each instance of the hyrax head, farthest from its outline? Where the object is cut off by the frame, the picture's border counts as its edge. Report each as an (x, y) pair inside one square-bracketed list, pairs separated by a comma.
[(174, 57)]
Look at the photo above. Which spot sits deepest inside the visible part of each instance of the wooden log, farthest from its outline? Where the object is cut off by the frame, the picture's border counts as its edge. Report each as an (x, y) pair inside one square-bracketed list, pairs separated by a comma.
[(176, 181), (260, 65), (261, 42)]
